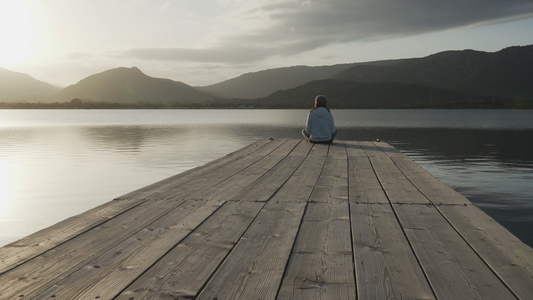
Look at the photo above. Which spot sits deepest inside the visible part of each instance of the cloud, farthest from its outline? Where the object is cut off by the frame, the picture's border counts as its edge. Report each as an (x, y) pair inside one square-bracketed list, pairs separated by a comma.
[(223, 54), (290, 27)]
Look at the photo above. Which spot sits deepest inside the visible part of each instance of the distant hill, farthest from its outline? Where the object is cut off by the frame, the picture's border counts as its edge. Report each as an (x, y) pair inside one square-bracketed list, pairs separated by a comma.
[(130, 85), (506, 73), (464, 78), (19, 87), (264, 83), (448, 79), (351, 94)]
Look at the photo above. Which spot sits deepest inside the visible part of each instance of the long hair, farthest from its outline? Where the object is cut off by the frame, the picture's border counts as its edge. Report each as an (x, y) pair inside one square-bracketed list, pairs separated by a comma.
[(317, 106)]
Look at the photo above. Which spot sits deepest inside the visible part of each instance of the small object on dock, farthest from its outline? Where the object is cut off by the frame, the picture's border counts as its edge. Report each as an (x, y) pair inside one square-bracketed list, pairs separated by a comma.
[(377, 140), (278, 219)]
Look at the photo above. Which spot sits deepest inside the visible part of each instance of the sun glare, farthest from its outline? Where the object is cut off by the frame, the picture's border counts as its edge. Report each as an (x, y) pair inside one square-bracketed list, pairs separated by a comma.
[(16, 33)]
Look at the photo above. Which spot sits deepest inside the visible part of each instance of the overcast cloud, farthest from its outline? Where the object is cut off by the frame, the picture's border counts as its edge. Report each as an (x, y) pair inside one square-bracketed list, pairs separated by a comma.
[(287, 27), (206, 41)]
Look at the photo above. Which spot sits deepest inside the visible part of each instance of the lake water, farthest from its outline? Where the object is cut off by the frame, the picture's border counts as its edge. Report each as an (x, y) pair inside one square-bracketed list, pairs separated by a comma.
[(58, 163)]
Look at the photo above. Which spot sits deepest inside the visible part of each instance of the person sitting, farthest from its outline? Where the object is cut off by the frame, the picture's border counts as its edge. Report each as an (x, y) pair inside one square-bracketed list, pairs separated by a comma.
[(320, 128)]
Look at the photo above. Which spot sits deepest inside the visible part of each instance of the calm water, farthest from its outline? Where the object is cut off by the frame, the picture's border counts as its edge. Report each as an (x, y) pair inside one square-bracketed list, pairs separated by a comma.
[(58, 163)]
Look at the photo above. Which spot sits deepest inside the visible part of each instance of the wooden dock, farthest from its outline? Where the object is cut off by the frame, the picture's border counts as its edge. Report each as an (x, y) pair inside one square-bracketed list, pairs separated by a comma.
[(278, 219)]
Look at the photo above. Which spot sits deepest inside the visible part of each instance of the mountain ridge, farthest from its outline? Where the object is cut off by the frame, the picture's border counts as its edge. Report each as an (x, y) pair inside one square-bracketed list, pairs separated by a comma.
[(16, 86), (501, 79), (505, 73), (130, 85)]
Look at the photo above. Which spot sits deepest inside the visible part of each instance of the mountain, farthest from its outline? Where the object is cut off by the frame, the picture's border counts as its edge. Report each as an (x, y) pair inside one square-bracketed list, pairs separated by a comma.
[(130, 85), (264, 83), (465, 78), (351, 94), (506, 73), (19, 87)]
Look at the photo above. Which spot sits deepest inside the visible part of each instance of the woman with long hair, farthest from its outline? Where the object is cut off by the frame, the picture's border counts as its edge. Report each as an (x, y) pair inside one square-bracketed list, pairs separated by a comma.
[(320, 127)]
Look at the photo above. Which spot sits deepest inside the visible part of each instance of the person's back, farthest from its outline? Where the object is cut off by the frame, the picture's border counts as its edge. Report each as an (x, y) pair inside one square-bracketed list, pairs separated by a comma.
[(320, 127)]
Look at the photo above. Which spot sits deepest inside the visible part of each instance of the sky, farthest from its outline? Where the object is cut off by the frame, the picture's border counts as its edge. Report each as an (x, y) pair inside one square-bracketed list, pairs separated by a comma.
[(203, 42)]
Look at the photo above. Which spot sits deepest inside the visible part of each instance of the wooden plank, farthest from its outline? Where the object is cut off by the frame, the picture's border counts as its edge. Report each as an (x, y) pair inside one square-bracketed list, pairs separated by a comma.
[(321, 264), (231, 188), (390, 176), (386, 267), (354, 149), (268, 184), (44, 270), (364, 186), (454, 270), (258, 148), (333, 180), (128, 260), (211, 179), (309, 281), (27, 248), (372, 150), (253, 270), (299, 186), (322, 254), (436, 191), (185, 270), (504, 253), (433, 189), (190, 182), (388, 149)]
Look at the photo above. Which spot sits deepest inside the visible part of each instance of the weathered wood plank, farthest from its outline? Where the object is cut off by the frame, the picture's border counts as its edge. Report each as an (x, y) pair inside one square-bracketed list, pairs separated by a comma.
[(253, 270), (434, 190), (391, 178), (268, 184), (186, 269), (232, 188), (201, 178), (333, 180), (300, 185), (221, 174), (504, 253), (20, 251), (259, 148), (43, 270), (354, 149), (321, 261), (364, 186), (128, 260), (386, 266), (454, 270), (319, 276), (27, 248), (372, 150)]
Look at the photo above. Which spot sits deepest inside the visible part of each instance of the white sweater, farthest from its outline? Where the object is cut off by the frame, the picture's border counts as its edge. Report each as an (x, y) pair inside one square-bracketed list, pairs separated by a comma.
[(320, 125)]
